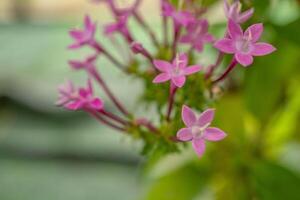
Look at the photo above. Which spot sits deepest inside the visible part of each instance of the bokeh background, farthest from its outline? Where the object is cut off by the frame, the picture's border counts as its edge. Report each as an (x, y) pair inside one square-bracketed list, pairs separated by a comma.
[(48, 153)]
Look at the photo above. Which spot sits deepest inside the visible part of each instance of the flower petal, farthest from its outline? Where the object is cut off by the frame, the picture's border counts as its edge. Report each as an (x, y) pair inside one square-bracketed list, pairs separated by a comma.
[(163, 77), (96, 104), (235, 31), (214, 134), (246, 15), (87, 22), (186, 38), (192, 69), (188, 116), (75, 105), (244, 59), (206, 117), (184, 134), (76, 64), (225, 45), (76, 34), (178, 81), (162, 65), (254, 31), (261, 49), (199, 146)]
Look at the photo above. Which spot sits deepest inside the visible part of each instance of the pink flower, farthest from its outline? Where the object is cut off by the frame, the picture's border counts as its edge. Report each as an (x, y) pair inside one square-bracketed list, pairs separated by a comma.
[(85, 36), (88, 63), (175, 71), (179, 17), (76, 99), (244, 45), (197, 35), (233, 12), (198, 129), (119, 26)]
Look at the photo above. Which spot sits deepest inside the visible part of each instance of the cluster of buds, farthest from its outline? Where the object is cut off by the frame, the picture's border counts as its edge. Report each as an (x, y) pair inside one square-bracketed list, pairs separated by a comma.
[(167, 65)]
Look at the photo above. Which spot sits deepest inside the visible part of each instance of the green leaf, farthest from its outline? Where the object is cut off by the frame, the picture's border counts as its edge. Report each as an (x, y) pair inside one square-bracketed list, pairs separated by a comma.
[(183, 184), (290, 32), (272, 181)]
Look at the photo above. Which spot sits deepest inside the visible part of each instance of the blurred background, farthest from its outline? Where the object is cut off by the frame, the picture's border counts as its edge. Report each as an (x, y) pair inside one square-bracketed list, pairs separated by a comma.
[(48, 153)]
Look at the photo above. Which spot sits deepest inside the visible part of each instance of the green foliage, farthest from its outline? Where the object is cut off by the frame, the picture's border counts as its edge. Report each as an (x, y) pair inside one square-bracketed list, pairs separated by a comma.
[(274, 182), (183, 184)]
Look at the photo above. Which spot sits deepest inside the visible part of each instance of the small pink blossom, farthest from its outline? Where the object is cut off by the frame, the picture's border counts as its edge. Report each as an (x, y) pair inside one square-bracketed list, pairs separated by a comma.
[(244, 45), (84, 36), (76, 99), (198, 129), (175, 71), (179, 17), (197, 34), (233, 12), (88, 63), (119, 26)]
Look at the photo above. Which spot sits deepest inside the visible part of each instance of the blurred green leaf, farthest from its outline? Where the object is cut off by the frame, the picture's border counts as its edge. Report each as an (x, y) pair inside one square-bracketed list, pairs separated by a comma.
[(265, 80), (182, 184), (272, 182), (290, 32)]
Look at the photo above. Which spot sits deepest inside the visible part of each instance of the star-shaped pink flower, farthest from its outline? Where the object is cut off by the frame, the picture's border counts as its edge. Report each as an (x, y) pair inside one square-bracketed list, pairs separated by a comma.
[(198, 129), (179, 17), (175, 71), (76, 99), (244, 45), (84, 36), (233, 12), (197, 34)]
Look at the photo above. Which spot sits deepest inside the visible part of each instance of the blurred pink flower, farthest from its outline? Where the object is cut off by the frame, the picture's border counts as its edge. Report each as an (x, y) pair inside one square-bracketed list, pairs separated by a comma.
[(84, 36), (244, 45), (197, 34), (119, 26), (233, 12), (198, 129), (76, 99), (175, 71), (179, 17), (88, 63)]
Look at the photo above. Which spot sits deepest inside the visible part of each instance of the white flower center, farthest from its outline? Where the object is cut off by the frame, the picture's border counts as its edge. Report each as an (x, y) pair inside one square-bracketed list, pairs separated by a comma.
[(244, 44), (198, 131)]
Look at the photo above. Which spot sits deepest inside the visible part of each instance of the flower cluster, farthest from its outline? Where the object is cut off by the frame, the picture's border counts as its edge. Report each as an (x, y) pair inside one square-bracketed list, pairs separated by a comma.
[(168, 62)]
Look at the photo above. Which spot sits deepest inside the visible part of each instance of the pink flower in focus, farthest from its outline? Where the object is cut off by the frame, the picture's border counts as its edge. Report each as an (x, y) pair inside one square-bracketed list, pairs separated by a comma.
[(179, 17), (76, 99), (85, 36), (175, 71), (233, 12), (197, 35), (244, 45), (198, 129)]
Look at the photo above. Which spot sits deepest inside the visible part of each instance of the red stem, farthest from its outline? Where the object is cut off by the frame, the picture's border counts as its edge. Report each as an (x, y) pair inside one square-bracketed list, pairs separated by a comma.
[(144, 122), (99, 49), (215, 65), (175, 39), (142, 22), (173, 90), (102, 83), (104, 121), (230, 67), (114, 117)]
